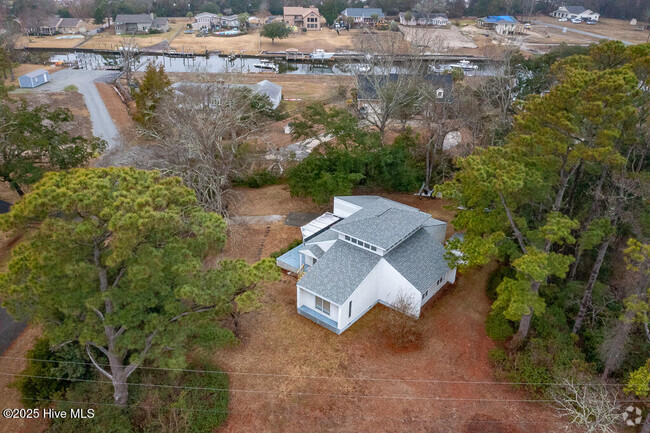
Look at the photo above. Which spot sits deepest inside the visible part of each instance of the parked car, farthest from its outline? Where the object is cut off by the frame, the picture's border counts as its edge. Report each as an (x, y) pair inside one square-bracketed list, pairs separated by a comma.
[(563, 20), (576, 20), (591, 23)]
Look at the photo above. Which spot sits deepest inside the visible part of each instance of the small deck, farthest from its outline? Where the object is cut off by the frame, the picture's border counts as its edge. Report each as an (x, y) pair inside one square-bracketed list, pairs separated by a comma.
[(319, 318)]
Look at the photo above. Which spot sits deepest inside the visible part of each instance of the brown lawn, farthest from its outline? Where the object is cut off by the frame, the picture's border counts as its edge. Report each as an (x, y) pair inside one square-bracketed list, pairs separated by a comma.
[(108, 40), (298, 86), (51, 41), (319, 382), (72, 100), (617, 29), (252, 43)]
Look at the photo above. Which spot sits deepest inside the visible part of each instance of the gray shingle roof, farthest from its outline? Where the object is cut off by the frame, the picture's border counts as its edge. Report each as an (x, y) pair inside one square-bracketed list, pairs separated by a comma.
[(383, 223), (272, 90), (359, 200), (575, 9), (420, 259), (133, 19), (363, 12), (160, 21), (327, 235), (339, 272), (35, 73), (370, 86), (315, 250), (70, 22)]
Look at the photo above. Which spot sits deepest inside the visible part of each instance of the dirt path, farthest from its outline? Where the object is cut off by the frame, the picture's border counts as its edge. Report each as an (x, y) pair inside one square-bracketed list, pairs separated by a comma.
[(117, 110), (317, 387)]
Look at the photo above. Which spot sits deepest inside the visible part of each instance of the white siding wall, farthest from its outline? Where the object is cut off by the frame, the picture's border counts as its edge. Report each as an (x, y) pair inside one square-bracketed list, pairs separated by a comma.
[(309, 300), (393, 284), (435, 288), (363, 297), (383, 284), (344, 209)]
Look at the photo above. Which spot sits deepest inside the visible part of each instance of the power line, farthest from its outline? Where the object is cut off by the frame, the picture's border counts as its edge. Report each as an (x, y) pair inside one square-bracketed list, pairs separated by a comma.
[(403, 419), (372, 379), (298, 393)]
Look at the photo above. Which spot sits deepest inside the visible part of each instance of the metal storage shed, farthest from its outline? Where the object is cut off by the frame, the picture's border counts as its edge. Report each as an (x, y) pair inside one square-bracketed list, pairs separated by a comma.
[(34, 78)]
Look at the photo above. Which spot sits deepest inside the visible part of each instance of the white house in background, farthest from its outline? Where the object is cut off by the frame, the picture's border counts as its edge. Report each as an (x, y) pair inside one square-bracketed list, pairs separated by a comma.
[(205, 21), (503, 24), (363, 15), (576, 12), (140, 23), (420, 19), (369, 250), (230, 21)]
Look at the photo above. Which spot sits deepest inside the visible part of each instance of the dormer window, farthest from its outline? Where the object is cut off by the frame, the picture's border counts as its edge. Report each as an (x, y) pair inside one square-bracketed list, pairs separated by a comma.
[(360, 243)]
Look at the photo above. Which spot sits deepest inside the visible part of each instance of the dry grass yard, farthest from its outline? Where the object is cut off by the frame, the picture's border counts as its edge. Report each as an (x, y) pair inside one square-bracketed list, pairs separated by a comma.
[(612, 28), (25, 68), (317, 381), (304, 87), (72, 100), (109, 40), (253, 43)]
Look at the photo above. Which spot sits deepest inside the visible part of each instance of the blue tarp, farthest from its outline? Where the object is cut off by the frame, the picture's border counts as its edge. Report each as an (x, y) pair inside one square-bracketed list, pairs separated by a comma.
[(494, 19)]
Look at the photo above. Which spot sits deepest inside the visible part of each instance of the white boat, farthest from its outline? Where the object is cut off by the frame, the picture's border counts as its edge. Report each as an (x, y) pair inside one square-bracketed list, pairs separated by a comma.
[(266, 66), (320, 54), (464, 65), (363, 68), (128, 49), (439, 69)]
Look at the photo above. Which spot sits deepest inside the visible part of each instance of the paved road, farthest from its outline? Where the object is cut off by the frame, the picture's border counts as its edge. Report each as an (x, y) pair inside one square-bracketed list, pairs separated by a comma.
[(103, 125), (9, 330), (582, 32)]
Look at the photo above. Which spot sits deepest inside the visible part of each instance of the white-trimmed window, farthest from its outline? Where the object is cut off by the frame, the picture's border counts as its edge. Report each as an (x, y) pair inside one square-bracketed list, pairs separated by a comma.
[(322, 305), (440, 93)]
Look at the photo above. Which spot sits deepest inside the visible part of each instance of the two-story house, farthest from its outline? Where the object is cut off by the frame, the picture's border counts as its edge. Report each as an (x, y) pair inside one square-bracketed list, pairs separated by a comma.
[(369, 250), (303, 18), (139, 24), (205, 21)]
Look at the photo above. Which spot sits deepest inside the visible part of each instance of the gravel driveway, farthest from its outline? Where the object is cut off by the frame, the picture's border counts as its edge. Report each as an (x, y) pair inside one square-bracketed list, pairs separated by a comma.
[(103, 125), (581, 32)]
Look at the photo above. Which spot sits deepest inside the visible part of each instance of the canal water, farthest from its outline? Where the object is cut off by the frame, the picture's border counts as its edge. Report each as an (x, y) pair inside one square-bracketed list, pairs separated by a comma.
[(220, 64)]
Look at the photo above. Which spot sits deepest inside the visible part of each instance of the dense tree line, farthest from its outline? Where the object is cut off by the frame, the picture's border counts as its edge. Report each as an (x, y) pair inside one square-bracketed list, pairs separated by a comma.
[(562, 203)]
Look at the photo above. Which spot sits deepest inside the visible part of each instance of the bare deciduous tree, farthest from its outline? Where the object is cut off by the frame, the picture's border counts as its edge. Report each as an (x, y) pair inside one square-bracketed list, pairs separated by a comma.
[(204, 137), (590, 406), (400, 324), (129, 51), (390, 85)]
